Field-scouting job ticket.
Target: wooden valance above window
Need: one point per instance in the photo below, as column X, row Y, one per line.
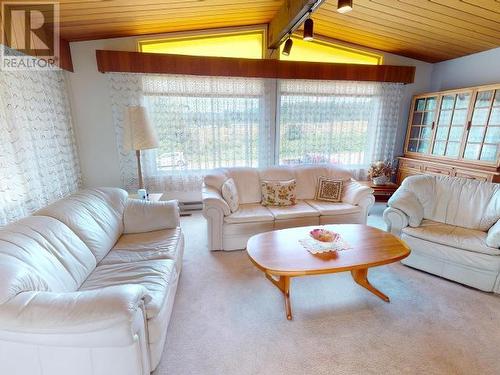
column 153, row 63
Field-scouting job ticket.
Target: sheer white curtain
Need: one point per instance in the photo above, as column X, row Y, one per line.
column 202, row 123
column 344, row 122
column 38, row 158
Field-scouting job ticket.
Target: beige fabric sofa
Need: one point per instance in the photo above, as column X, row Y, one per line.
column 87, row 285
column 231, row 231
column 452, row 227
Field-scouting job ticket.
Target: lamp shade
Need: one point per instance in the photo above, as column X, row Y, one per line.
column 139, row 134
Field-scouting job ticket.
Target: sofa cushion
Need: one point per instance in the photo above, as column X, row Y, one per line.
column 278, row 193
column 457, row 201
column 301, row 209
column 330, row 208
column 155, row 275
column 95, row 215
column 247, row 182
column 450, row 235
column 307, row 177
column 248, row 213
column 40, row 253
column 282, row 173
column 230, row 194
column 137, row 247
column 329, row 189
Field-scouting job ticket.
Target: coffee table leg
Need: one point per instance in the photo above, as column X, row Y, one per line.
column 283, row 284
column 360, row 276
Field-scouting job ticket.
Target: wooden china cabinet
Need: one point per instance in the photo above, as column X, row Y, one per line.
column 454, row 133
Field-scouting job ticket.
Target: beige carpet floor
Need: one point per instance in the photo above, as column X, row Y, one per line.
column 228, row 319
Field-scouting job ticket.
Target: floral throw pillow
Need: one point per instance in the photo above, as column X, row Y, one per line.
column 329, row 189
column 230, row 195
column 278, row 193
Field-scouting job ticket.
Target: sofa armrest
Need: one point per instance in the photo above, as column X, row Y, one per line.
column 407, row 202
column 396, row 220
column 212, row 198
column 80, row 312
column 493, row 237
column 354, row 192
column 144, row 216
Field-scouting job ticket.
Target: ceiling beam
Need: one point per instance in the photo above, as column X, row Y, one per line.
column 287, row 19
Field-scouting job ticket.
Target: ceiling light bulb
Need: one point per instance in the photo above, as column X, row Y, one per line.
column 344, row 6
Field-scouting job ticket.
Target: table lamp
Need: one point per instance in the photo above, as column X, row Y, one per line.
column 139, row 135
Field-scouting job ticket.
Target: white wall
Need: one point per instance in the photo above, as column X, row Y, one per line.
column 478, row 69
column 92, row 115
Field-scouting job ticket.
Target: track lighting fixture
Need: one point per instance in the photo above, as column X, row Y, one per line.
column 288, row 46
column 344, row 6
column 309, row 29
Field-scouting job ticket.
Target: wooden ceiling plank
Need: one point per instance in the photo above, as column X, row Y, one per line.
column 417, row 31
column 444, row 23
column 451, row 12
column 162, row 17
column 383, row 43
column 137, row 11
column 471, row 9
column 491, row 5
column 389, row 32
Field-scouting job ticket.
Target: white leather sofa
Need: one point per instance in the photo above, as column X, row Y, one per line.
column 87, row 285
column 452, row 227
column 231, row 231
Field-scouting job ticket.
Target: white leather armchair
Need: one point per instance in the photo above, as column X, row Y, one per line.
column 231, row 231
column 451, row 225
column 87, row 285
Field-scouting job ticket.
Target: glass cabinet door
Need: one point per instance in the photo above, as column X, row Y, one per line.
column 421, row 124
column 484, row 128
column 451, row 123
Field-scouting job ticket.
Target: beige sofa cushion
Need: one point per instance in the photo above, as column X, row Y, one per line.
column 301, row 209
column 138, row 247
column 450, row 235
column 154, row 275
column 307, row 178
column 249, row 213
column 94, row 215
column 247, row 182
column 330, row 208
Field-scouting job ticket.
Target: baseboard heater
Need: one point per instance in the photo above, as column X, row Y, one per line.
column 187, row 207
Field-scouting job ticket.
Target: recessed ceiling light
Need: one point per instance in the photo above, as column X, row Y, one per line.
column 344, row 6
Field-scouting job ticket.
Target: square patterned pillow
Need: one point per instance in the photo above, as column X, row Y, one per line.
column 278, row 193
column 329, row 189
column 230, row 195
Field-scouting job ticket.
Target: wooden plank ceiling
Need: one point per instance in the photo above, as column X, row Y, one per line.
column 428, row 30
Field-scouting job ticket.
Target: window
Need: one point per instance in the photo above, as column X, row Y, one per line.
column 321, row 51
column 211, row 122
column 207, row 122
column 326, row 122
column 245, row 44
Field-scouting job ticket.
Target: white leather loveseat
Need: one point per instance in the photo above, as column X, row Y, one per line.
column 231, row 231
column 452, row 227
column 87, row 285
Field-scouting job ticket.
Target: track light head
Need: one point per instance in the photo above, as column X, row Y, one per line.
column 288, row 46
column 308, row 29
column 344, row 6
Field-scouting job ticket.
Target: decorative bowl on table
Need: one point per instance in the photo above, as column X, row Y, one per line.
column 324, row 235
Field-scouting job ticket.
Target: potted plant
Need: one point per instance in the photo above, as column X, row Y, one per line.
column 380, row 172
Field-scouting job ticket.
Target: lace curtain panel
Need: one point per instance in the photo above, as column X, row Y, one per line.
column 38, row 158
column 210, row 122
column 202, row 123
column 349, row 123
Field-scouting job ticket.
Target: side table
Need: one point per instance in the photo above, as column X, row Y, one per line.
column 382, row 193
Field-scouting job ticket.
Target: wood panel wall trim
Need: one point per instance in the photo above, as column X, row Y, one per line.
column 140, row 62
column 65, row 61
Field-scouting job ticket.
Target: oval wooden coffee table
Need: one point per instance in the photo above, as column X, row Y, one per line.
column 280, row 255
